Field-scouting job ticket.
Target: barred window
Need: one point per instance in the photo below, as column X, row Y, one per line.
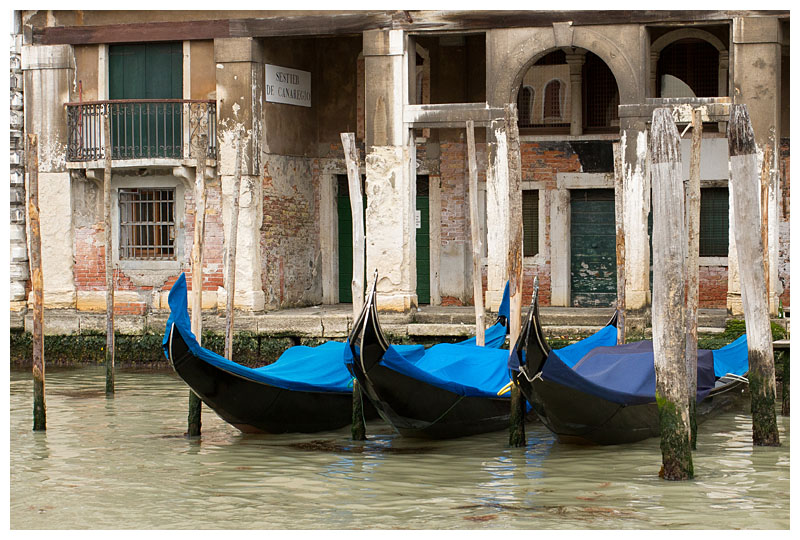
column 525, row 106
column 530, row 222
column 147, row 224
column 552, row 100
column 714, row 222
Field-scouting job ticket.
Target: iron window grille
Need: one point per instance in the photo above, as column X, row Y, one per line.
column 147, row 224
column 714, row 222
column 530, row 222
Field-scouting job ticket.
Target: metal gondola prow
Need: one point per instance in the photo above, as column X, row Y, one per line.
column 366, row 340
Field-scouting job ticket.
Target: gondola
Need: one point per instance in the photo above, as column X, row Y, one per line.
column 598, row 392
column 308, row 389
column 446, row 391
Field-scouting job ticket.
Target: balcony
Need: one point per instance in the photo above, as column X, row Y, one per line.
column 141, row 129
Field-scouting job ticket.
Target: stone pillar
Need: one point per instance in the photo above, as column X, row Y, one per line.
column 576, row 61
column 497, row 225
column 240, row 97
column 560, row 261
column 391, row 171
column 49, row 70
column 636, row 183
column 724, row 64
column 654, row 56
column 757, row 81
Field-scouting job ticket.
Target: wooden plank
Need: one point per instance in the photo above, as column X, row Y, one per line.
column 37, row 281
column 358, row 429
column 766, row 166
column 693, row 267
column 517, row 431
column 669, row 326
column 230, row 278
column 619, row 229
column 199, row 151
column 109, row 352
column 135, row 32
column 475, row 233
column 745, row 189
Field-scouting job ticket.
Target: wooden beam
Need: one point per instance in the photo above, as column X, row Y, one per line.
column 693, row 267
column 109, row 352
column 35, row 236
column 517, row 431
column 230, row 278
column 132, row 32
column 669, row 326
column 475, row 233
column 745, row 189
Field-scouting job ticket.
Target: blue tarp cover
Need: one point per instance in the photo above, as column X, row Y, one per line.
column 467, row 370
column 625, row 374
column 313, row 369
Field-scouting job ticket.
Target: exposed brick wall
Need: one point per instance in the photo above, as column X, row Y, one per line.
column 290, row 233
column 455, row 224
column 713, row 287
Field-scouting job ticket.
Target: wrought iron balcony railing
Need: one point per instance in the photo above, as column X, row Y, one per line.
column 140, row 128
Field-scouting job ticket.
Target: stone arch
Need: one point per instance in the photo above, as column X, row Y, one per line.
column 689, row 33
column 532, row 44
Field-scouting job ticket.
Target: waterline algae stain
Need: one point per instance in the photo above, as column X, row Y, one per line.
column 124, row 464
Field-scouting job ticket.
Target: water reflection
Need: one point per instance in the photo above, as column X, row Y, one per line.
column 125, row 463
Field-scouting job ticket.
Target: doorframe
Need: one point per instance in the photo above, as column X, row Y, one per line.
column 560, row 224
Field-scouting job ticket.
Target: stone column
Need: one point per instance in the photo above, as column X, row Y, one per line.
column 636, row 185
column 48, row 69
column 240, row 97
column 654, row 56
column 391, row 171
column 757, row 81
column 576, row 61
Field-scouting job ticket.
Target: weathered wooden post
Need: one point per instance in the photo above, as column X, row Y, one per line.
column 693, row 265
column 619, row 217
column 517, row 429
column 475, row 231
column 766, row 166
column 109, row 356
column 37, row 284
column 230, row 278
column 358, row 428
column 669, row 326
column 200, row 150
column 744, row 186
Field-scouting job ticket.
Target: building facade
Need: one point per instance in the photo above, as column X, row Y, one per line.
column 585, row 84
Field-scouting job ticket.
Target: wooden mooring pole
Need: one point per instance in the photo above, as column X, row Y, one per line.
column 669, row 326
column 619, row 218
column 230, row 278
column 744, row 184
column 475, row 232
column 693, row 266
column 35, row 236
column 358, row 429
column 517, row 429
column 766, row 166
column 195, row 405
column 108, row 236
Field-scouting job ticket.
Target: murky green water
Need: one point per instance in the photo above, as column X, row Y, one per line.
column 123, row 463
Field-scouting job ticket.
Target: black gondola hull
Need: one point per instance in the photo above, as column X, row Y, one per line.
column 420, row 410
column 577, row 417
column 255, row 407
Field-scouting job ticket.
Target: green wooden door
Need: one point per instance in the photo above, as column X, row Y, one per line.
column 345, row 238
column 593, row 248
column 422, row 221
column 146, row 71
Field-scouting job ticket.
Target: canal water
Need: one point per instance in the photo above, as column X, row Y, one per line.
column 123, row 463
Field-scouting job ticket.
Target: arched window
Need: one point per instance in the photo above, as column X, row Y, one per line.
column 688, row 68
column 552, row 100
column 525, row 105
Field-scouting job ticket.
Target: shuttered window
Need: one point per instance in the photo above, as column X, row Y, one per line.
column 714, row 222
column 530, row 222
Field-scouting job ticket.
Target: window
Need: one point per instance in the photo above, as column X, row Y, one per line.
column 147, row 224
column 688, row 66
column 530, row 222
column 525, row 106
column 552, row 100
column 714, row 222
